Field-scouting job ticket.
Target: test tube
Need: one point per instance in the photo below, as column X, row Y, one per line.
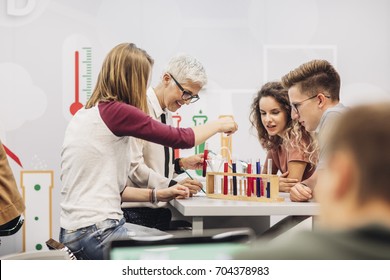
column 225, row 179
column 269, row 166
column 205, row 155
column 258, row 180
column 234, row 169
column 249, row 179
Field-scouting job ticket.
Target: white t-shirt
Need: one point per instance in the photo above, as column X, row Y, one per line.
column 96, row 159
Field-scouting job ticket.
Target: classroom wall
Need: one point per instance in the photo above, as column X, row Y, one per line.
column 242, row 44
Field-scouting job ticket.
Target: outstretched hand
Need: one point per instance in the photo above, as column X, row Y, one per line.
column 193, row 162
column 227, row 125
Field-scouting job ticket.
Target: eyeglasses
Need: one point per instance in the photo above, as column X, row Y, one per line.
column 187, row 95
column 296, row 105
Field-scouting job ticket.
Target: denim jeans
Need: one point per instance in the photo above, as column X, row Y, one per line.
column 91, row 243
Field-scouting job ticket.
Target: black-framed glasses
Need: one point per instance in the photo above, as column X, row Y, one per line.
column 296, row 105
column 187, row 95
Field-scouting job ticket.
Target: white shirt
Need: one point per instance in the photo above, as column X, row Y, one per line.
column 90, row 194
column 95, row 159
column 147, row 166
column 324, row 128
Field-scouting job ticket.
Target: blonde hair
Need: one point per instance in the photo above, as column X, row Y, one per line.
column 297, row 137
column 123, row 77
column 314, row 76
column 294, row 137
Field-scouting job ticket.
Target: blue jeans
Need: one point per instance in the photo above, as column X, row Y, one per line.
column 91, row 243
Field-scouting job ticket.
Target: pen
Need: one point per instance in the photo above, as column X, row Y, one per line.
column 189, row 175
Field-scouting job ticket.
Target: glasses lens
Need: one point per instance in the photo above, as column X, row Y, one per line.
column 194, row 99
column 295, row 108
column 186, row 95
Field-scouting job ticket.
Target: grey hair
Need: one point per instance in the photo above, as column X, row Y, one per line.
column 186, row 68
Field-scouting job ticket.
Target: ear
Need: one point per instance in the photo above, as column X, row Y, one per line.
column 342, row 166
column 166, row 78
column 322, row 100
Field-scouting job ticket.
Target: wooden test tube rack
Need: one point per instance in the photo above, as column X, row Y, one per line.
column 274, row 187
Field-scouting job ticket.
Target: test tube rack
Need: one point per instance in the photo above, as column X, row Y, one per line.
column 212, row 178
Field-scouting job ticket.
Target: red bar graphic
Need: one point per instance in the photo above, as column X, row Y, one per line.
column 13, row 156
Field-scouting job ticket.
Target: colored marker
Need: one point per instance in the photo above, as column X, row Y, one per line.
column 234, row 167
column 205, row 155
column 225, row 181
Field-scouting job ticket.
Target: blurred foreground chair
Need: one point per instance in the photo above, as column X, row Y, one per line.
column 283, row 226
column 38, row 255
column 57, row 251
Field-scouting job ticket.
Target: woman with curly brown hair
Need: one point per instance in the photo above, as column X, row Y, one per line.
column 292, row 149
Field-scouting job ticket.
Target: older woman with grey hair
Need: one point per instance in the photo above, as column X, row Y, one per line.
column 153, row 165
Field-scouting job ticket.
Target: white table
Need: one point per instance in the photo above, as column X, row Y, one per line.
column 199, row 207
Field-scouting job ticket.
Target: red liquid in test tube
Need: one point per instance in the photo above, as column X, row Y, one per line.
column 205, row 155
column 225, row 180
column 249, row 185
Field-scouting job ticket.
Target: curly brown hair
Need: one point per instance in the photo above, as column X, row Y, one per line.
column 295, row 136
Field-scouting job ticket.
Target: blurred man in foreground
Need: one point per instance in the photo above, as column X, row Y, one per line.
column 354, row 195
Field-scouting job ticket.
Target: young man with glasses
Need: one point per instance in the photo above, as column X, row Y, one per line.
column 354, row 196
column 314, row 93
column 153, row 165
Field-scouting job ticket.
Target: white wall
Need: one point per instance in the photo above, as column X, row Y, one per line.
column 242, row 43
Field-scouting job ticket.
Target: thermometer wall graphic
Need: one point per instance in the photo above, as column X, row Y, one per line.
column 199, row 120
column 77, row 73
